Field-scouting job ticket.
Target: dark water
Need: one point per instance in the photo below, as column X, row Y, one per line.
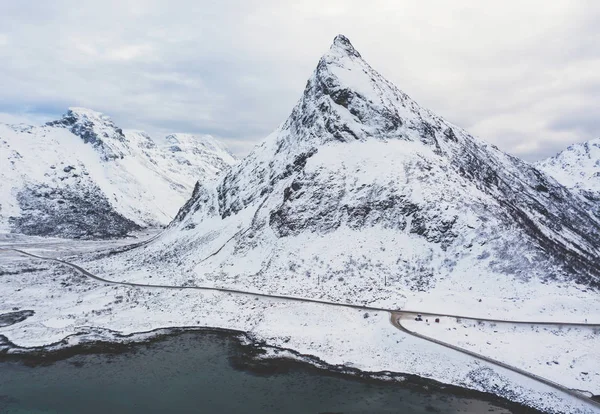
column 212, row 373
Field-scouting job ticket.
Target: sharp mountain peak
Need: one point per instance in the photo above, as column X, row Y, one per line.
column 342, row 43
column 321, row 172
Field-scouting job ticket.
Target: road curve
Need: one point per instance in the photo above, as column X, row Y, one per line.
column 395, row 316
column 395, row 319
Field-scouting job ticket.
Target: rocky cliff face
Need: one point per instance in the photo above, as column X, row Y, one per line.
column 363, row 195
column 82, row 176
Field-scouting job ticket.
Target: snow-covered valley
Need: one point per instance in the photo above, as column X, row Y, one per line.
column 70, row 309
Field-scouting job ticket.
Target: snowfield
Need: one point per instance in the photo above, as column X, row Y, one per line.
column 566, row 355
column 71, row 309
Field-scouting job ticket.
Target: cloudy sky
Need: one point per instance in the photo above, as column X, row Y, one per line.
column 524, row 75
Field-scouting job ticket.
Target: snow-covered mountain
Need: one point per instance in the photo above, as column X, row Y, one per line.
column 362, row 195
column 578, row 168
column 82, row 176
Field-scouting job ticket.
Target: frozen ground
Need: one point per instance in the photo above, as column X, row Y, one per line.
column 57, row 247
column 563, row 354
column 65, row 304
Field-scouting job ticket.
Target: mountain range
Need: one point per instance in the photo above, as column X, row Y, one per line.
column 83, row 177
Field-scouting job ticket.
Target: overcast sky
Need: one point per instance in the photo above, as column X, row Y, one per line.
column 524, row 75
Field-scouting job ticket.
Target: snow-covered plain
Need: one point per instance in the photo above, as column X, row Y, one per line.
column 68, row 305
column 567, row 355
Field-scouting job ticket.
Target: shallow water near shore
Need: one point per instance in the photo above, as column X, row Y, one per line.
column 208, row 372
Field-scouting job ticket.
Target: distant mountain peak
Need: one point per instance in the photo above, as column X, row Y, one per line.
column 78, row 115
column 94, row 128
column 578, row 168
column 87, row 113
column 199, row 142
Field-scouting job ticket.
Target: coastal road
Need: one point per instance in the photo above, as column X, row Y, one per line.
column 395, row 315
column 396, row 321
column 298, row 299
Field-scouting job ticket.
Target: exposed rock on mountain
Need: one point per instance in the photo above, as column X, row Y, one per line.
column 82, row 176
column 96, row 129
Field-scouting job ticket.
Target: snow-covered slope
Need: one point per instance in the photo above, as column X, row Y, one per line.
column 578, row 168
column 362, row 195
column 82, row 176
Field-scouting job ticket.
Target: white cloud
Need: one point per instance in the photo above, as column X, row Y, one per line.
column 23, row 118
column 511, row 72
column 129, row 52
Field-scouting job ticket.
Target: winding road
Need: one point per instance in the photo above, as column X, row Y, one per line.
column 296, row 298
column 395, row 318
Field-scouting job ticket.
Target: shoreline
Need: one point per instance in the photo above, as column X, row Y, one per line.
column 252, row 355
column 426, row 363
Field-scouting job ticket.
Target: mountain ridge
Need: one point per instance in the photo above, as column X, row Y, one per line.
column 83, row 176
